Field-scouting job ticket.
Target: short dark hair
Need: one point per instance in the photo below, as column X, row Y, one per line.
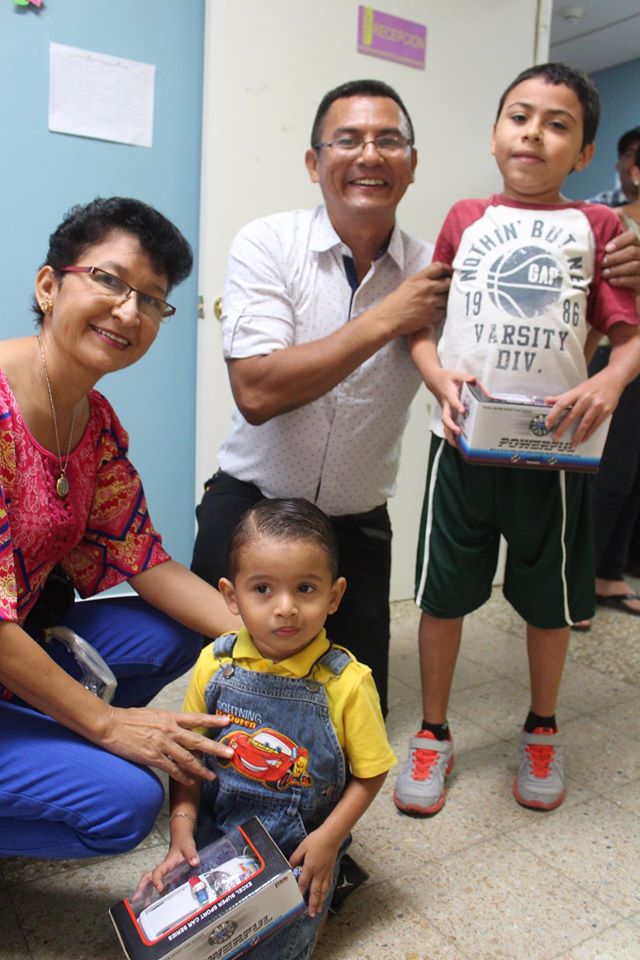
column 356, row 88
column 628, row 139
column 285, row 520
column 560, row 74
column 86, row 225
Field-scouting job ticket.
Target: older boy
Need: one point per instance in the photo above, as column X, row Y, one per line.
column 525, row 291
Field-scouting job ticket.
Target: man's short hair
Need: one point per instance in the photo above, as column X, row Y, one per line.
column 560, row 74
column 357, row 88
column 286, row 521
column 628, row 139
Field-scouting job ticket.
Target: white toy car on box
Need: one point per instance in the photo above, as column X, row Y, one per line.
column 187, row 900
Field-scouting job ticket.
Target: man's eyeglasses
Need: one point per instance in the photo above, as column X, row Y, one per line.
column 386, row 144
column 152, row 308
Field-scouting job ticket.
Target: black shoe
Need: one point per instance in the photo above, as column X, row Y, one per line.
column 351, row 876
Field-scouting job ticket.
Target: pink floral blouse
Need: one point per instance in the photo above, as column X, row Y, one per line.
column 100, row 533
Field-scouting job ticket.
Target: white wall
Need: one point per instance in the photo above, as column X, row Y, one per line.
column 267, row 65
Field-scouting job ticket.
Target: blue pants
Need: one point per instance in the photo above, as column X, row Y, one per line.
column 62, row 797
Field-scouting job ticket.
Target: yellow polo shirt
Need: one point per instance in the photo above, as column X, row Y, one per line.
column 354, row 706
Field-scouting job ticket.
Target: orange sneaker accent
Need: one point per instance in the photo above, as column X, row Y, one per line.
column 423, row 760
column 541, row 755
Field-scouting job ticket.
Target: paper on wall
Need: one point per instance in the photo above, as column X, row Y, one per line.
column 94, row 95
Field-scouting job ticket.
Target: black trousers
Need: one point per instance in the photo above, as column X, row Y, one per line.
column 364, row 541
column 616, row 486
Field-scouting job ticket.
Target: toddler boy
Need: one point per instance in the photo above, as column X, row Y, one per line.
column 311, row 750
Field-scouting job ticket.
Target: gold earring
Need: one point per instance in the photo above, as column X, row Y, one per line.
column 46, row 306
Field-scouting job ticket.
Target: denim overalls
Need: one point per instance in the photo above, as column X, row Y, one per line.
column 288, row 768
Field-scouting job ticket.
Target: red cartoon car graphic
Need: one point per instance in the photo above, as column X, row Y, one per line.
column 268, row 756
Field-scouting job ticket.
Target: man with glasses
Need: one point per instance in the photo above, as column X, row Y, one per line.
column 316, row 306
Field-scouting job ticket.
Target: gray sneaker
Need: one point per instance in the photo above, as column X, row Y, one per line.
column 539, row 783
column 420, row 784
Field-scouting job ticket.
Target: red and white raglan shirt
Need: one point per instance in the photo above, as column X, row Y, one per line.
column 526, row 286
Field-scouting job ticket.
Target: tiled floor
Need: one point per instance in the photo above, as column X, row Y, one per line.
column 484, row 879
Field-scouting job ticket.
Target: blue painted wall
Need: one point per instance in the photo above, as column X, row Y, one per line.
column 619, row 89
column 42, row 174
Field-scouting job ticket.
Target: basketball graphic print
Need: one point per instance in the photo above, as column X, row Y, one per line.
column 524, row 283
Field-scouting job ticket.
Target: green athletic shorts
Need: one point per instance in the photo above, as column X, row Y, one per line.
column 545, row 517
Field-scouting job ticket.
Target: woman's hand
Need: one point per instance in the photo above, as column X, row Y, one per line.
column 164, row 740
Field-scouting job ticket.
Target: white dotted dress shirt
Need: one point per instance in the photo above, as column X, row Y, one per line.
column 286, row 284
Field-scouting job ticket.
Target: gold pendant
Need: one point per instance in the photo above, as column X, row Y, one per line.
column 62, row 486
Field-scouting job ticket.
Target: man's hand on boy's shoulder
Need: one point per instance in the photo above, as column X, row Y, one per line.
column 621, row 263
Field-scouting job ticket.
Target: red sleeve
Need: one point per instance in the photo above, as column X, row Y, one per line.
column 119, row 540
column 607, row 305
column 456, row 222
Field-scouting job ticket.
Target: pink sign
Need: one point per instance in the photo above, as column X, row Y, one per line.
column 381, row 35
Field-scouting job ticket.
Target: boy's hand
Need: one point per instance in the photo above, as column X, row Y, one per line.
column 317, row 855
column 588, row 404
column 621, row 261
column 182, row 851
column 446, row 386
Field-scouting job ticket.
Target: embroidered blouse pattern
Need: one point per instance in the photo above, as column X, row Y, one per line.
column 100, row 533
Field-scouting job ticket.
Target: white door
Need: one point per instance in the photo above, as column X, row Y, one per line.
column 267, row 65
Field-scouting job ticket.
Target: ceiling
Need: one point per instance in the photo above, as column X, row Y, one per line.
column 606, row 33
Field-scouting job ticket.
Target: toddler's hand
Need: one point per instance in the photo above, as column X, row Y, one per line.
column 317, row 859
column 183, row 852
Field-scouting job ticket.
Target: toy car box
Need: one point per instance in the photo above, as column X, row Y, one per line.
column 510, row 430
column 241, row 892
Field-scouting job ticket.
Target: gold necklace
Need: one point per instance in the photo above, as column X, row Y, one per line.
column 62, row 484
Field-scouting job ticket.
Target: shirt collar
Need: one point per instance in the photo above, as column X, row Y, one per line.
column 324, row 237
column 396, row 246
column 298, row 666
